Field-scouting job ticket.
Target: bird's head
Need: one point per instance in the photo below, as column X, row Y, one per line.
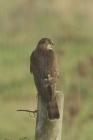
column 45, row 42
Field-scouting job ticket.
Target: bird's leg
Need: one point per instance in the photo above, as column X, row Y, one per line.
column 49, row 81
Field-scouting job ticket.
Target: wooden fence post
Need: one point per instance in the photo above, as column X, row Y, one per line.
column 49, row 129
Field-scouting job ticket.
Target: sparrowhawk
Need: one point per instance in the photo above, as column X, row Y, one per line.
column 43, row 66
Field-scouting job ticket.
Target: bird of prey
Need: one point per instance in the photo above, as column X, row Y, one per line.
column 43, row 66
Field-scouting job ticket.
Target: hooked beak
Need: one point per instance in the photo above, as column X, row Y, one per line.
column 52, row 43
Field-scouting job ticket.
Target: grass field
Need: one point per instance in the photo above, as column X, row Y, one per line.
column 22, row 25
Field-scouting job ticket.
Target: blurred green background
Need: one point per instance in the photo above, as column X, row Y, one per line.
column 69, row 23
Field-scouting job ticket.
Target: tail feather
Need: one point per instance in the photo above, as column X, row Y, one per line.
column 53, row 112
column 51, row 102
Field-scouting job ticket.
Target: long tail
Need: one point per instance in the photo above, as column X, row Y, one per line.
column 53, row 112
column 52, row 107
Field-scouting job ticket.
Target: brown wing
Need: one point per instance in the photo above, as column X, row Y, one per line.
column 42, row 64
column 37, row 66
column 52, row 64
column 32, row 62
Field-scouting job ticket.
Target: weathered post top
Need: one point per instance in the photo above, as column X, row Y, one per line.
column 47, row 129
